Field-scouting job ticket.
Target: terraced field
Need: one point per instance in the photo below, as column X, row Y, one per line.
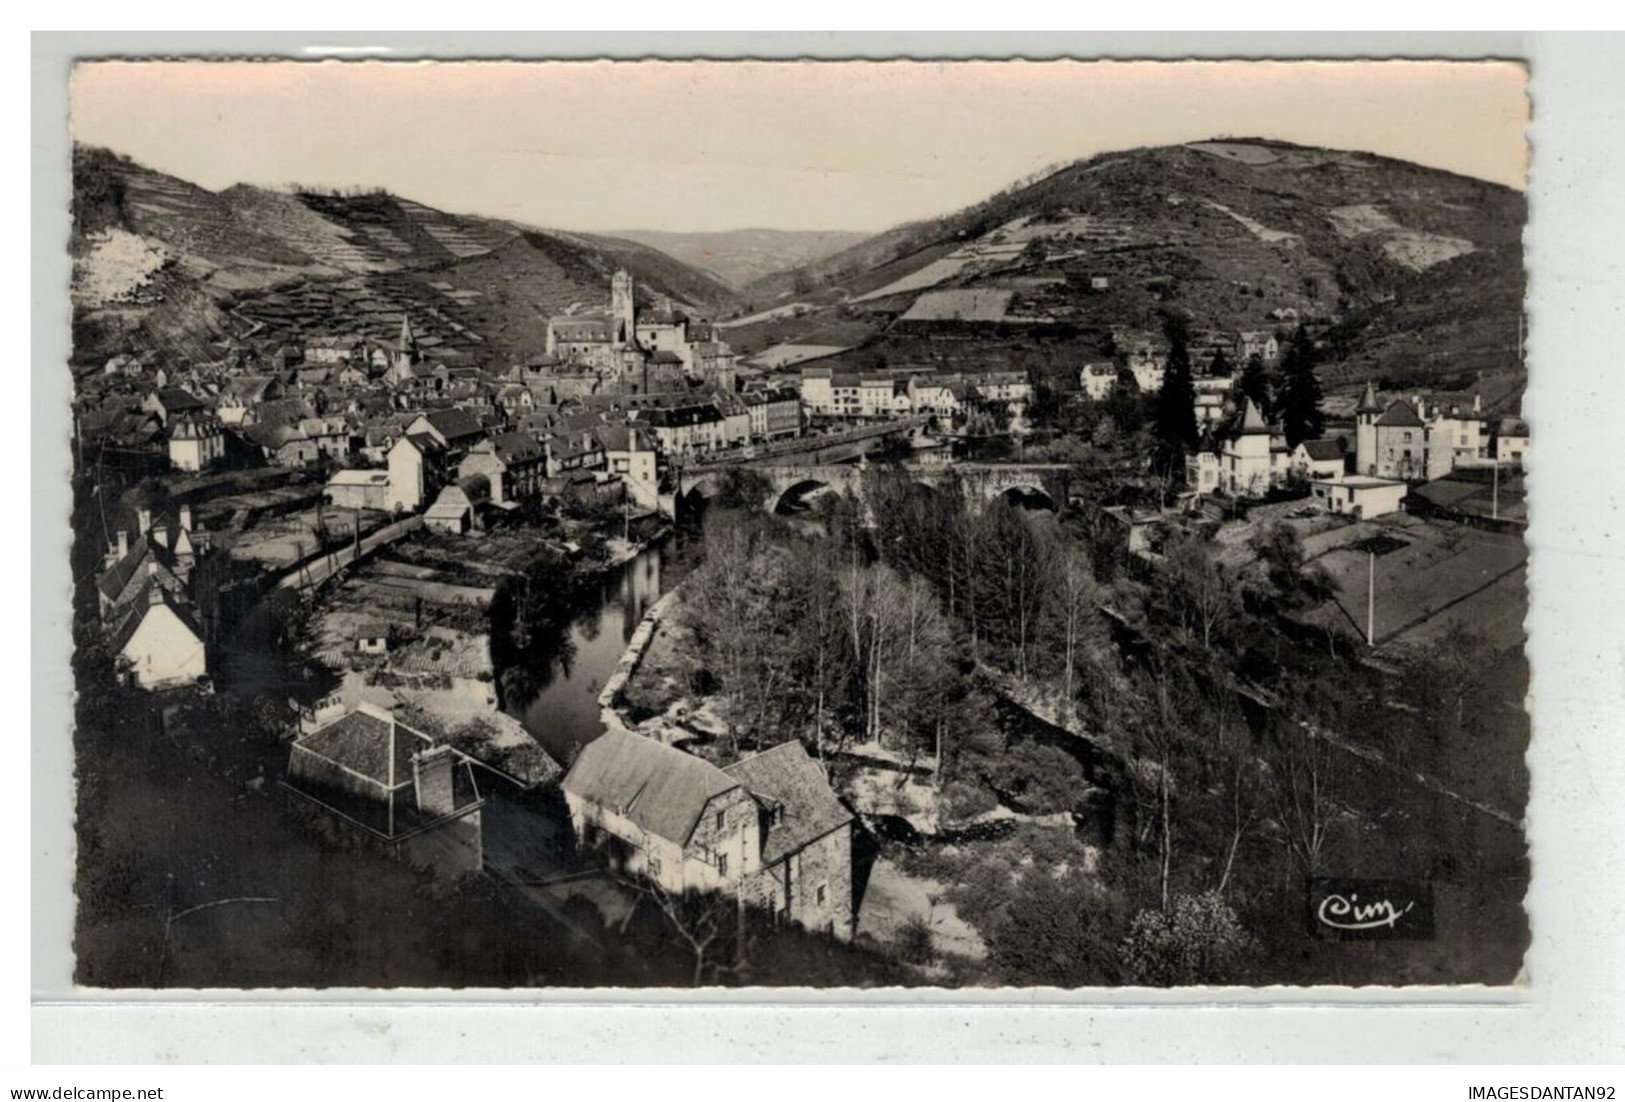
column 194, row 266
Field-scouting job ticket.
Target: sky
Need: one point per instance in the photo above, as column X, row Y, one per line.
column 697, row 146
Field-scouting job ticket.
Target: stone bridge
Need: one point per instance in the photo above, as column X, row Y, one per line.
column 1033, row 483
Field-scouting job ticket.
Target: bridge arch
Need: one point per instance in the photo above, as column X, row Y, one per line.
column 797, row 493
column 1029, row 495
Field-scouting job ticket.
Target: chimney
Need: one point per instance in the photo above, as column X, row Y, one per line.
column 155, row 591
column 432, row 780
column 1478, row 403
column 143, row 521
column 186, row 518
column 1421, row 408
column 123, row 543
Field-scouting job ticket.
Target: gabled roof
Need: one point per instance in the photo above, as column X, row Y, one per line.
column 622, row 438
column 580, row 329
column 658, row 787
column 117, row 578
column 140, row 606
column 1322, row 449
column 516, row 447
column 175, row 399
column 1400, row 414
column 454, row 424
column 808, row 808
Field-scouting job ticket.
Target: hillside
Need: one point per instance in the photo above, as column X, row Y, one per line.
column 1414, row 275
column 741, row 257
column 160, row 263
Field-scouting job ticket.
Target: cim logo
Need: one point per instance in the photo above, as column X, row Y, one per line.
column 1365, row 910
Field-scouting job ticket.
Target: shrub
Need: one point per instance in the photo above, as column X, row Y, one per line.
column 1038, row 779
column 1199, row 940
column 914, row 944
column 963, row 800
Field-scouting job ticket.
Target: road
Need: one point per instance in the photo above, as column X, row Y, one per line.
column 318, row 568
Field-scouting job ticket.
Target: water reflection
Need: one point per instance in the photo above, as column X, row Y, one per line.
column 563, row 713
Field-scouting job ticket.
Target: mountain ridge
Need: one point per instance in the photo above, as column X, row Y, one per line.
column 285, row 264
column 1410, row 274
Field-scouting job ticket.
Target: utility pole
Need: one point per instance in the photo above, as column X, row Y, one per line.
column 1495, row 491
column 1371, row 600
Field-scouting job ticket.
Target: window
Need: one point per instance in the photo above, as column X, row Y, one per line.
column 722, row 864
column 722, row 820
column 823, row 893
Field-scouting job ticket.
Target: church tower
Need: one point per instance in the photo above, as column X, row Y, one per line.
column 622, row 323
column 1365, row 432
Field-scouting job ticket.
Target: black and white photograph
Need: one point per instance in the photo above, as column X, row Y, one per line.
column 975, row 525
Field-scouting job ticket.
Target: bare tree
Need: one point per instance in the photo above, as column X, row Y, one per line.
column 1303, row 796
column 707, row 923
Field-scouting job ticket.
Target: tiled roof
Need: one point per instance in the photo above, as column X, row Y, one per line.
column 1323, row 449
column 380, row 750
column 809, row 808
column 660, row 788
column 454, row 424
column 516, row 447
column 1400, row 415
column 174, row 399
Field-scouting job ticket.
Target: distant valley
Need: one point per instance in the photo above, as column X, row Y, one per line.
column 744, row 256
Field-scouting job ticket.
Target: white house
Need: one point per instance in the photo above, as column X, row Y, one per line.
column 408, row 475
column 359, row 489
column 1512, row 443
column 1097, row 380
column 1318, row 459
column 1357, row 495
column 161, row 642
column 658, row 812
column 817, row 392
column 1246, row 467
column 630, row 455
column 196, row 441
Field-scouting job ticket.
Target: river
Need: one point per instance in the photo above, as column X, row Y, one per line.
column 564, row 715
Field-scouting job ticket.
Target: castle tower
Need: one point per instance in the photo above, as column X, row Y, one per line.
column 622, row 323
column 1365, row 431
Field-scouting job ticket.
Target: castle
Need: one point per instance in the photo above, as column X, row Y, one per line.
column 661, row 348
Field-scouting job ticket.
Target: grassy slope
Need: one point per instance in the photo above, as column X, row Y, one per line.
column 1158, row 213
column 321, row 263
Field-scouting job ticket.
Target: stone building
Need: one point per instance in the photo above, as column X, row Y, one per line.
column 768, row 828
column 398, row 785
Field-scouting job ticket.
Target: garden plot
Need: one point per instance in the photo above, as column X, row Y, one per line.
column 1436, row 569
column 282, row 542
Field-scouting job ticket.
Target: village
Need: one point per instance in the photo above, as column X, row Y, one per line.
column 388, row 499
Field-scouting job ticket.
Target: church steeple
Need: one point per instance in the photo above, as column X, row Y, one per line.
column 622, row 319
